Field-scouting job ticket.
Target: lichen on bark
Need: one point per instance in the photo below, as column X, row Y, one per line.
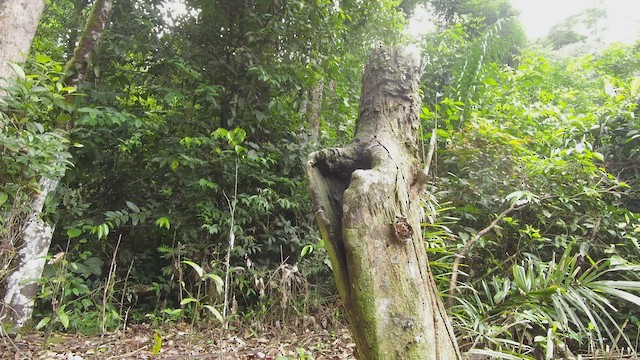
column 18, row 22
column 358, row 191
column 21, row 286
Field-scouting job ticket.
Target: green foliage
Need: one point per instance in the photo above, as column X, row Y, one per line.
column 29, row 112
column 59, row 28
column 157, row 344
column 474, row 35
column 548, row 304
column 164, row 123
column 71, row 296
column 171, row 112
column 533, row 134
column 301, row 354
column 31, row 146
column 483, row 12
column 196, row 301
column 573, row 30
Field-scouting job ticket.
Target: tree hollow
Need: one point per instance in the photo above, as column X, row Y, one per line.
column 367, row 200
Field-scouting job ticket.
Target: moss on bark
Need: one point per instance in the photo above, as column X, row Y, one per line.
column 359, row 192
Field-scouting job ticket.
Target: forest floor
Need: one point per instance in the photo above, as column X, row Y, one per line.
column 182, row 342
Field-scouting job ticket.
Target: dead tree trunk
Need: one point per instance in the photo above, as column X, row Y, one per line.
column 367, row 200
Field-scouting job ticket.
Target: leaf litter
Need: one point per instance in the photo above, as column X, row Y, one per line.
column 182, row 342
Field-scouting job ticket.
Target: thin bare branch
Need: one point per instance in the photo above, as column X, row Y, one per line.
column 453, row 284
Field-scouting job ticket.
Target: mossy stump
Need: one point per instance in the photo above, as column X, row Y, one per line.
column 367, row 200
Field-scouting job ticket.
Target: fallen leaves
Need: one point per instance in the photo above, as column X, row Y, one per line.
column 138, row 342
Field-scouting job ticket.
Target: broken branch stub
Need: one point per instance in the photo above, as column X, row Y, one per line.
column 367, row 201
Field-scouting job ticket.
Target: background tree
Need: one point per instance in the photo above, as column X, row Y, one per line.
column 19, row 22
column 473, row 35
column 20, row 287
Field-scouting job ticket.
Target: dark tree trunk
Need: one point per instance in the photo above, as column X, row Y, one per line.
column 98, row 18
column 367, row 200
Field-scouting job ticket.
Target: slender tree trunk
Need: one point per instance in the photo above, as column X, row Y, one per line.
column 78, row 6
column 315, row 107
column 367, row 200
column 20, row 288
column 98, row 19
column 18, row 23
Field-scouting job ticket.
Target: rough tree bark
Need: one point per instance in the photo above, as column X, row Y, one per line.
column 20, row 288
column 367, row 200
column 18, row 23
column 98, row 18
column 315, row 107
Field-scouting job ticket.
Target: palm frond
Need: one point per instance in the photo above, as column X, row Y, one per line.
column 555, row 300
column 496, row 46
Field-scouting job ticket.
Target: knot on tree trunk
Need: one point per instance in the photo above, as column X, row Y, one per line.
column 367, row 197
